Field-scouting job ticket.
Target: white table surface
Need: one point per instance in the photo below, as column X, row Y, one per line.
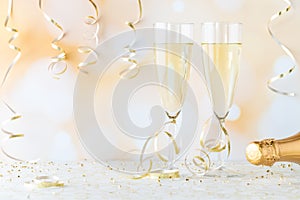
column 90, row 180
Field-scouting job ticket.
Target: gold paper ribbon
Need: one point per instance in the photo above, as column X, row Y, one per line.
column 176, row 148
column 15, row 33
column 87, row 50
column 10, row 134
column 203, row 163
column 227, row 139
column 45, row 182
column 133, row 69
column 15, row 116
column 90, row 20
column 162, row 173
column 159, row 174
column 221, row 145
column 54, row 68
column 285, row 49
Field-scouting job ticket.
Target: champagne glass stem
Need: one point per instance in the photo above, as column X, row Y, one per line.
column 172, row 150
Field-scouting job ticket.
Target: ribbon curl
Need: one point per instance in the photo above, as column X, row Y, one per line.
column 133, row 69
column 199, row 164
column 55, row 69
column 87, row 50
column 10, row 134
column 45, row 182
column 202, row 162
column 221, row 145
column 92, row 21
column 15, row 33
column 15, row 116
column 285, row 49
column 161, row 173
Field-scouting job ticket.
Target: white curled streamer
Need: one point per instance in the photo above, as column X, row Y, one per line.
column 45, row 182
column 285, row 49
column 92, row 21
column 54, row 67
column 10, row 134
column 133, row 69
column 10, row 44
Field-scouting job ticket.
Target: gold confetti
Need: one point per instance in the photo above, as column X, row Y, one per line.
column 285, row 49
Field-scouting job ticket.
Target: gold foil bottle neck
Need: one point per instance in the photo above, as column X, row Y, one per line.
column 262, row 153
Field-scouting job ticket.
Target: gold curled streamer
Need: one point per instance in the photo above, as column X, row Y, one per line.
column 45, row 182
column 202, row 166
column 155, row 138
column 199, row 161
column 15, row 33
column 53, row 68
column 221, row 145
column 15, row 116
column 176, row 148
column 227, row 139
column 145, row 174
column 133, row 69
column 162, row 173
column 91, row 20
column 87, row 50
column 10, row 134
column 285, row 49
column 159, row 174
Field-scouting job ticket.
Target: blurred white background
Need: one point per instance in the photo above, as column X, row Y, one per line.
column 46, row 103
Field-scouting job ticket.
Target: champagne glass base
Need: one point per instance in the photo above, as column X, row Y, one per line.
column 216, row 143
column 165, row 174
column 224, row 172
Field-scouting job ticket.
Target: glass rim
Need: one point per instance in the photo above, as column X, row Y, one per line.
column 221, row 23
column 175, row 23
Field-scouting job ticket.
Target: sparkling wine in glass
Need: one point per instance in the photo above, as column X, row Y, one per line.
column 173, row 49
column 221, row 43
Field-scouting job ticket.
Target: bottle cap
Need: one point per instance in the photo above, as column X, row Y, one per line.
column 253, row 153
column 262, row 152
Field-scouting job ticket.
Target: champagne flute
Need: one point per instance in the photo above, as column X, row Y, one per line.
column 221, row 43
column 173, row 49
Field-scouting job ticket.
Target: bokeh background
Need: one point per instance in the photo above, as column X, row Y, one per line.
column 47, row 104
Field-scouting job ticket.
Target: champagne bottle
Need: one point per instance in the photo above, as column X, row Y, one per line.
column 269, row 151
